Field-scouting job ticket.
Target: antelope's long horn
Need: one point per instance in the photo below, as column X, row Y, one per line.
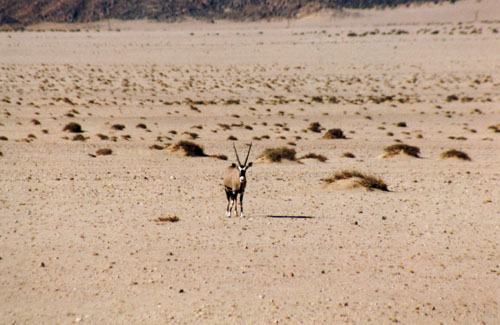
column 248, row 154
column 236, row 152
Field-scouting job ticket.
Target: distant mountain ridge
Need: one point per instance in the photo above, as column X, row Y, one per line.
column 26, row 12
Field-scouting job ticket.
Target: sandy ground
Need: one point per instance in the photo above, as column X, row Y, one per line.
column 79, row 236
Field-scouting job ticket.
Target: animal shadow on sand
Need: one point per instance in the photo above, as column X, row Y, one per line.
column 289, row 217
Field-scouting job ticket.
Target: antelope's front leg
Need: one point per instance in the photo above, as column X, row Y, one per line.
column 236, row 205
column 241, row 205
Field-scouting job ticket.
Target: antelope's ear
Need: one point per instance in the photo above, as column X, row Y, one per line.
column 233, row 165
column 250, row 164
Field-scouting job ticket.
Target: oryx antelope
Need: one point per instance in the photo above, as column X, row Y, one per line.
column 235, row 182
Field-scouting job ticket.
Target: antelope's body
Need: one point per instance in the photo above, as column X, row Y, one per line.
column 235, row 182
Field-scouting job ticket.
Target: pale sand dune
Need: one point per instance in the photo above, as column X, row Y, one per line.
column 80, row 239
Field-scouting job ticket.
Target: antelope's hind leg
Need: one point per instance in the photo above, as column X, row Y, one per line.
column 229, row 203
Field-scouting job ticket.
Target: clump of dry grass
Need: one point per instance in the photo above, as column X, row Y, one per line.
column 73, row 127
column 315, row 127
column 495, row 128
column 190, row 149
column 219, row 156
column 396, row 149
column 367, row 181
column 453, row 153
column 167, row 219
column 278, row 154
column 312, row 155
column 104, row 152
column 334, row 134
column 156, row 147
column 118, row 127
column 348, row 155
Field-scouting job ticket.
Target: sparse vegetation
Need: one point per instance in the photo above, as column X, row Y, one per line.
column 118, row 127
column 315, row 127
column 104, row 152
column 334, row 134
column 396, row 149
column 495, row 128
column 348, row 155
column 190, row 149
column 73, row 127
column 453, row 153
column 219, row 156
column 156, row 147
column 167, row 219
column 278, row 154
column 369, row 182
column 312, row 155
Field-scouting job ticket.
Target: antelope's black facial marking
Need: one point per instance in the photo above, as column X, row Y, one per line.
column 243, row 170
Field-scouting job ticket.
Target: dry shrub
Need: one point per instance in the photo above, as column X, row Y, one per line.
column 348, row 155
column 396, row 149
column 232, row 138
column 219, row 156
column 334, row 134
column 401, row 124
column 190, row 149
column 225, row 126
column 102, row 136
column 495, row 128
column 167, row 219
column 141, row 126
column 73, row 127
column 315, row 127
column 277, row 154
column 368, row 182
column 79, row 137
column 312, row 155
column 35, row 122
column 118, row 127
column 156, row 147
column 192, row 135
column 455, row 154
column 104, row 152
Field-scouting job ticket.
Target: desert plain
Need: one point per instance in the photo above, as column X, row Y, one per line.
column 91, row 238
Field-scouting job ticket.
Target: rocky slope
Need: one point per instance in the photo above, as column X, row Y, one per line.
column 25, row 12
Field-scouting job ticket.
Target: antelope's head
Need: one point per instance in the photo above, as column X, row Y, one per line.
column 242, row 168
